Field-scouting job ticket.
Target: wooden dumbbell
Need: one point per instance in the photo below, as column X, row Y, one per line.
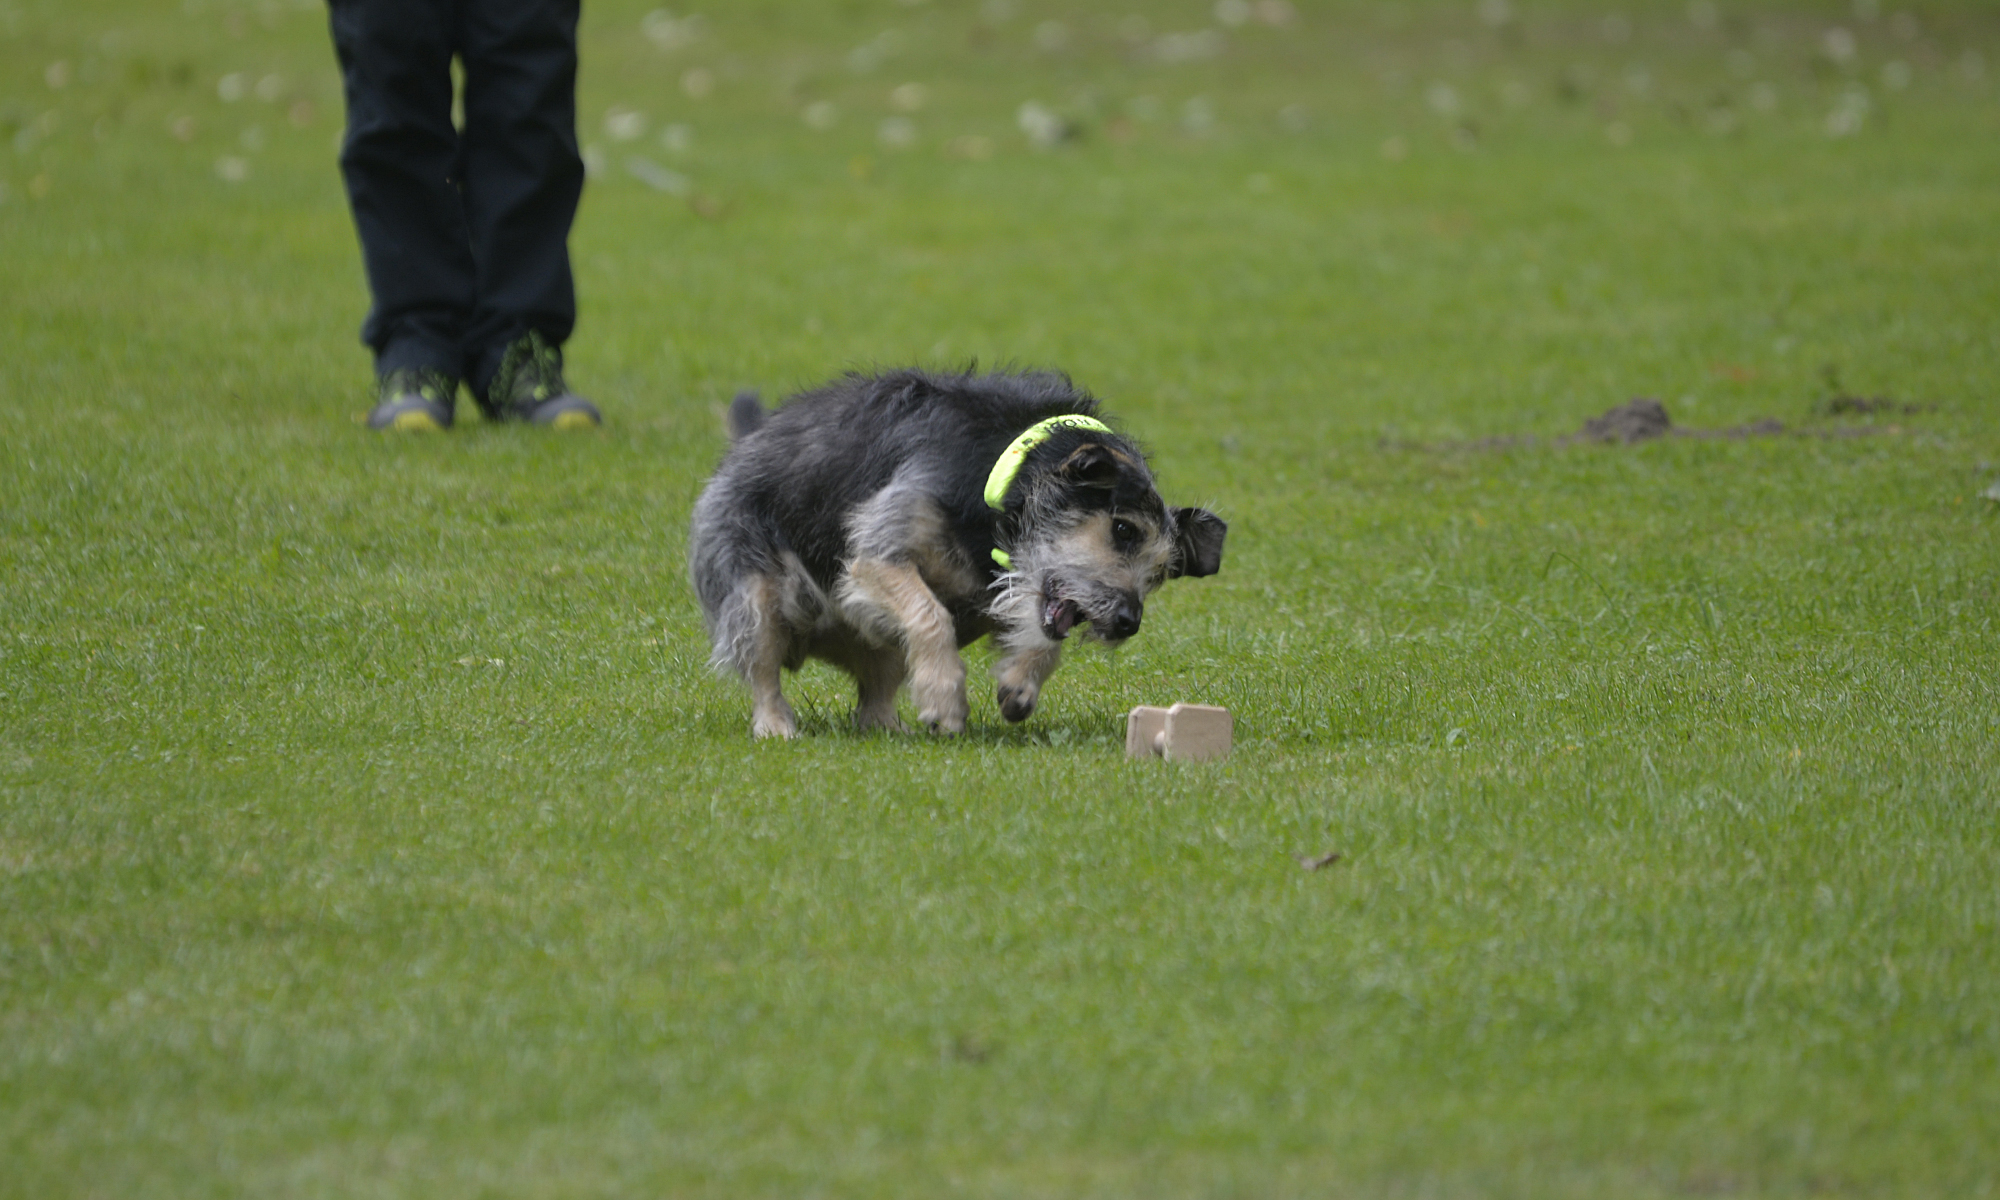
column 1183, row 733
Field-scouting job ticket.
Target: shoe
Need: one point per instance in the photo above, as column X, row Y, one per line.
column 529, row 387
column 414, row 400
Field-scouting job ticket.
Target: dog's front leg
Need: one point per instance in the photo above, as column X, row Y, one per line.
column 1031, row 658
column 894, row 595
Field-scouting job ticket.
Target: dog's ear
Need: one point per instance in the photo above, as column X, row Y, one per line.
column 1197, row 542
column 1091, row 465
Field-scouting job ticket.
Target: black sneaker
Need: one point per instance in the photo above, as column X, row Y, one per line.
column 414, row 400
column 529, row 387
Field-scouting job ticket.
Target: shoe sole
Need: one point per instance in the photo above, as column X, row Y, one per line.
column 414, row 421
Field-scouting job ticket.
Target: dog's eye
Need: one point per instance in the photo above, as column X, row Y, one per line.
column 1124, row 532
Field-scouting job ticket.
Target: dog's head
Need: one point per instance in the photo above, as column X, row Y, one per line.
column 1094, row 539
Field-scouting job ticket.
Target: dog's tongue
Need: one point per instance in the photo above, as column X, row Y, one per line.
column 1058, row 616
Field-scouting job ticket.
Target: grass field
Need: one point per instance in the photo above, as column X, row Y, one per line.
column 370, row 825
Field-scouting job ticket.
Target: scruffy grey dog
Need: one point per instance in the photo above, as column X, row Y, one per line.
column 881, row 522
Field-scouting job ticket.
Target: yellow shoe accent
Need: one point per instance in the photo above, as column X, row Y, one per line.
column 573, row 420
column 415, row 421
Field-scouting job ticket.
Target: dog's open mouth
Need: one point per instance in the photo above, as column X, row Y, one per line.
column 1059, row 615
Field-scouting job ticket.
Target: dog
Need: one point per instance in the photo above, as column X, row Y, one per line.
column 883, row 522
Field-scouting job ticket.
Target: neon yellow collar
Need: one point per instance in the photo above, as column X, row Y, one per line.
column 1009, row 466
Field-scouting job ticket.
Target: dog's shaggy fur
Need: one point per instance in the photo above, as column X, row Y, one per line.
column 849, row 526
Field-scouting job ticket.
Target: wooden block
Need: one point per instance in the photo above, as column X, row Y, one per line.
column 1196, row 732
column 1183, row 733
column 1145, row 728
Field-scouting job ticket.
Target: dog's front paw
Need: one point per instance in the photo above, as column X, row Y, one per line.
column 776, row 722
column 947, row 724
column 939, row 691
column 1017, row 703
column 947, row 717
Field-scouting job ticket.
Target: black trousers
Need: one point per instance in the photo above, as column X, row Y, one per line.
column 465, row 233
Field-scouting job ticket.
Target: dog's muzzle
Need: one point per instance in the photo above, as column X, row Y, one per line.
column 1116, row 622
column 1123, row 621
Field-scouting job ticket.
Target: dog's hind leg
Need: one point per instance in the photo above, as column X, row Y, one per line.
column 878, row 675
column 762, row 660
column 877, row 671
column 893, row 600
column 1020, row 675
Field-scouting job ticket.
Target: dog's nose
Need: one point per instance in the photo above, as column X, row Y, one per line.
column 1124, row 620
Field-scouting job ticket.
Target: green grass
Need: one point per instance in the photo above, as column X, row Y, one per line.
column 370, row 825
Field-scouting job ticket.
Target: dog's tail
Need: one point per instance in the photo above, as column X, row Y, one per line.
column 746, row 415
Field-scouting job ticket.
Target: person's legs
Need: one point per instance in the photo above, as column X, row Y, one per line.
column 523, row 175
column 400, row 163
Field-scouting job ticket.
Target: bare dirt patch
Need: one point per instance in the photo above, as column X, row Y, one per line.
column 1644, row 419
column 1839, row 402
column 1872, row 406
